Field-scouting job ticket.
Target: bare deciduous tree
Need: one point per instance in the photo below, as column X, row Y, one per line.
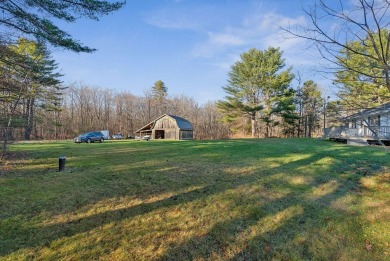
column 334, row 25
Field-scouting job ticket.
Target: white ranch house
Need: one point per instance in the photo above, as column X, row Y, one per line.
column 364, row 124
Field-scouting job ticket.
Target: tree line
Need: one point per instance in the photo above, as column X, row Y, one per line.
column 260, row 101
column 85, row 108
column 358, row 51
column 82, row 108
column 260, row 94
column 35, row 105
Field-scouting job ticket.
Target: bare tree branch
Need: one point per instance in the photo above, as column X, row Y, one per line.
column 366, row 22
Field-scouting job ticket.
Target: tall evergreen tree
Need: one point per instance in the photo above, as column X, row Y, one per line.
column 32, row 82
column 312, row 104
column 159, row 90
column 256, row 83
column 285, row 109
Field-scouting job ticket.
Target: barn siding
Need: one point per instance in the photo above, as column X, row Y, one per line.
column 167, row 127
column 165, row 123
column 170, row 134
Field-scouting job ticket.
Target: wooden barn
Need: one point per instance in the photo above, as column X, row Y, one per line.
column 168, row 127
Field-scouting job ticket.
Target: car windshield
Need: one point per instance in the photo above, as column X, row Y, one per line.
column 85, row 134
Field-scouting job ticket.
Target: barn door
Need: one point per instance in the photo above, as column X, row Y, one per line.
column 159, row 134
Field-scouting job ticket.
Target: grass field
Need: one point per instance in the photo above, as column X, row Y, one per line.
column 265, row 199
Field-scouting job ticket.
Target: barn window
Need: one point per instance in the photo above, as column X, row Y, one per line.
column 186, row 135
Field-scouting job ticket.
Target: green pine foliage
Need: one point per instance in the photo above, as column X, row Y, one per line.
column 257, row 88
column 363, row 79
column 312, row 103
column 36, row 18
column 159, row 90
column 30, row 82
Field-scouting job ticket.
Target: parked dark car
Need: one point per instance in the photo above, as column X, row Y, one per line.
column 90, row 137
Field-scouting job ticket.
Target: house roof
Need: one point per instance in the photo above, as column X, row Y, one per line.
column 182, row 123
column 378, row 110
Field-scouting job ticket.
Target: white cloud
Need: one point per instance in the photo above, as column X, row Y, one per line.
column 284, row 41
column 257, row 30
column 225, row 39
column 218, row 42
column 181, row 17
column 172, row 22
column 254, row 29
column 273, row 21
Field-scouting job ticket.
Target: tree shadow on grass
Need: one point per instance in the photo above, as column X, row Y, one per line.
column 223, row 235
column 82, row 184
column 277, row 222
column 22, row 236
column 42, row 236
column 295, row 219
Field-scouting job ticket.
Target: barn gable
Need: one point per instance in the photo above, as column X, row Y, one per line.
column 168, row 127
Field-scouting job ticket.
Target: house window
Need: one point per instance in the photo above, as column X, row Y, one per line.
column 375, row 121
column 354, row 124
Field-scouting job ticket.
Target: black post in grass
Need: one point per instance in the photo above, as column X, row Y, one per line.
column 61, row 163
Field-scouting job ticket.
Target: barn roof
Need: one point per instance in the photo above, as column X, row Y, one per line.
column 182, row 123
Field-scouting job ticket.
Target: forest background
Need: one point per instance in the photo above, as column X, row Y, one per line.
column 34, row 103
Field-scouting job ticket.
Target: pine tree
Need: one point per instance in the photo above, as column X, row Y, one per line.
column 256, row 84
column 159, row 90
column 30, row 82
column 312, row 104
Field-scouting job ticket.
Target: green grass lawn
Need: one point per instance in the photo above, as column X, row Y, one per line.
column 265, row 199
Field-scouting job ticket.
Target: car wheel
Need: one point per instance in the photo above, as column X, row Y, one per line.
column 101, row 140
column 89, row 141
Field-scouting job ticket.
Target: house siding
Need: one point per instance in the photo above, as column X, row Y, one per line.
column 366, row 123
column 385, row 120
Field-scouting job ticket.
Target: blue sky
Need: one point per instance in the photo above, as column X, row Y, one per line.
column 188, row 44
